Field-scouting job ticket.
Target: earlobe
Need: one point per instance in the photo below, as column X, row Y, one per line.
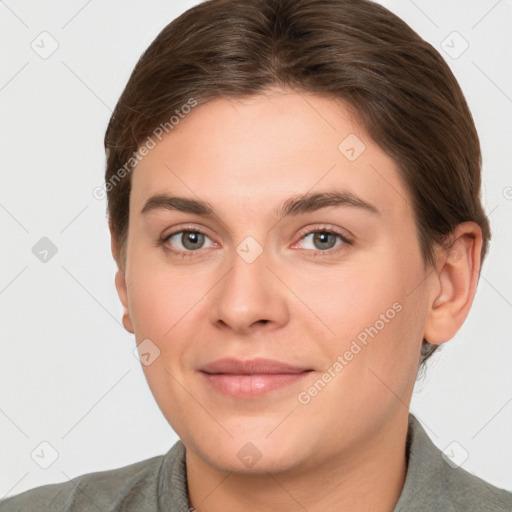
column 120, row 282
column 455, row 281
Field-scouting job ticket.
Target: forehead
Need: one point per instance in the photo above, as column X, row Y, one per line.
column 255, row 152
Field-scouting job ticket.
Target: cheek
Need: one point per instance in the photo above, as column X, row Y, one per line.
column 148, row 305
column 159, row 296
column 372, row 316
column 170, row 308
column 352, row 298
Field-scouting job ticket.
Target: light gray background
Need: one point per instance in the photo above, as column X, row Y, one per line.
column 68, row 373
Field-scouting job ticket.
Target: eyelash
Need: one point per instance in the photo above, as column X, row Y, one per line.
column 316, row 253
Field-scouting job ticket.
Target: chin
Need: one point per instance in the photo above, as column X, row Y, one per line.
column 250, row 452
column 253, row 458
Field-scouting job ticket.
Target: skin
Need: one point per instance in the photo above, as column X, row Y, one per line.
column 345, row 449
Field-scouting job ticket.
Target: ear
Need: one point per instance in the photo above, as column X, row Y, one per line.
column 120, row 282
column 454, row 282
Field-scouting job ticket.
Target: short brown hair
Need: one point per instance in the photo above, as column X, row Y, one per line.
column 398, row 86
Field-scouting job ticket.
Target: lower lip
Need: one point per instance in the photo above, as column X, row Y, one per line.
column 254, row 385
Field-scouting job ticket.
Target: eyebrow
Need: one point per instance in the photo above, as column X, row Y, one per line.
column 294, row 205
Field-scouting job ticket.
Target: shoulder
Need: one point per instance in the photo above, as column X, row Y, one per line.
column 465, row 491
column 434, row 482
column 133, row 487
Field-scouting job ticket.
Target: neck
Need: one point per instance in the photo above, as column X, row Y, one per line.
column 370, row 477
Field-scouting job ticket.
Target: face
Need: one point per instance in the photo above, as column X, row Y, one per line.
column 279, row 334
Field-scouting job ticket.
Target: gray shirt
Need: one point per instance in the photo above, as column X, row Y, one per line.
column 159, row 484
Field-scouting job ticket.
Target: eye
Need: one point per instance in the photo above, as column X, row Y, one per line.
column 324, row 241
column 187, row 242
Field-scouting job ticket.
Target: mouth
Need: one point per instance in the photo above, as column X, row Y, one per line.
column 251, row 378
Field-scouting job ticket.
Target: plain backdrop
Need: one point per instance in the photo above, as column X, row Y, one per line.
column 73, row 395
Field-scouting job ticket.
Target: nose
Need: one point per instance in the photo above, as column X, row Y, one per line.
column 250, row 297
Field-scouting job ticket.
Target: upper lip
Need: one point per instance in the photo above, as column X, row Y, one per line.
column 251, row 366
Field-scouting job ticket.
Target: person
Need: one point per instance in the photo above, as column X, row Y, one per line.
column 294, row 204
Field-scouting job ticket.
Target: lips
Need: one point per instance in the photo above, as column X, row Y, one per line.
column 251, row 378
column 253, row 366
